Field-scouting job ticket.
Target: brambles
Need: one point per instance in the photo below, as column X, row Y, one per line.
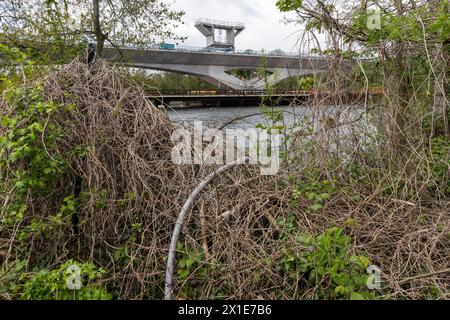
column 73, row 170
column 307, row 233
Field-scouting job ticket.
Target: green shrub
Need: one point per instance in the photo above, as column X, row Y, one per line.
column 28, row 149
column 325, row 263
column 315, row 192
column 53, row 284
column 440, row 166
column 10, row 279
column 192, row 271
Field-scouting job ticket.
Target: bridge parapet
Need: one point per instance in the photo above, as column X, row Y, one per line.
column 242, row 52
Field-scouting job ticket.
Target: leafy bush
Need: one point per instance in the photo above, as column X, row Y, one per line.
column 315, row 192
column 440, row 168
column 191, row 271
column 30, row 137
column 10, row 279
column 306, row 83
column 325, row 263
column 53, row 284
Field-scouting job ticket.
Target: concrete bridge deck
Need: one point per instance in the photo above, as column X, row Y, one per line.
column 214, row 67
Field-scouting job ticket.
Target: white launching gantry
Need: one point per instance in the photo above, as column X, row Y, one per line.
column 219, row 35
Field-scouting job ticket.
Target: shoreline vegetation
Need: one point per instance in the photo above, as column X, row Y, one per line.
column 88, row 188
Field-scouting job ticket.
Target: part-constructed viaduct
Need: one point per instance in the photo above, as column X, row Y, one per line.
column 214, row 67
column 216, row 62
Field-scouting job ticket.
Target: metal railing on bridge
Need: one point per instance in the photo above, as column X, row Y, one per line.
column 219, row 23
column 231, row 93
column 259, row 93
column 249, row 52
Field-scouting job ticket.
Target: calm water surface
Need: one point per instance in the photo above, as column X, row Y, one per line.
column 217, row 117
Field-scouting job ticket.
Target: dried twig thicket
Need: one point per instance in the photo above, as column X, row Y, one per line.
column 379, row 149
column 130, row 194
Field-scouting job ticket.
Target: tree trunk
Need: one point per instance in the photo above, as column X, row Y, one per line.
column 99, row 35
column 440, row 63
column 395, row 104
column 441, row 103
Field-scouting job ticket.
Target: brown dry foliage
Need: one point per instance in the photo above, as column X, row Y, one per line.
column 127, row 177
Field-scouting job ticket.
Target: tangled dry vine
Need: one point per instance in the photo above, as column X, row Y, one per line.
column 235, row 241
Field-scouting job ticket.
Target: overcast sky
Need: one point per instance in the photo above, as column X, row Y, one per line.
column 264, row 28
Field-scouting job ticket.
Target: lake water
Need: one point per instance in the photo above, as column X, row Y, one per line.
column 218, row 117
column 250, row 117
